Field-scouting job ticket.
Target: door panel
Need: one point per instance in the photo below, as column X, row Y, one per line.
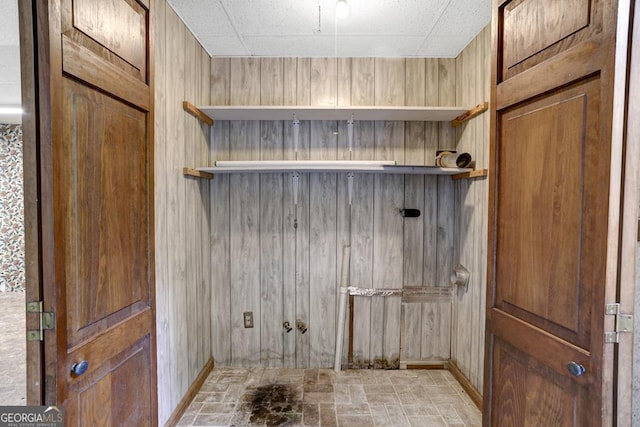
column 526, row 390
column 525, row 37
column 115, row 30
column 532, row 31
column 103, row 158
column 552, row 210
column 549, row 213
column 117, row 394
column 95, row 18
column 96, row 150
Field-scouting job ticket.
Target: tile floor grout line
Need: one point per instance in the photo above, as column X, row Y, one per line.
column 399, row 392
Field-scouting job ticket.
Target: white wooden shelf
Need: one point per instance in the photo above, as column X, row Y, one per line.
column 436, row 114
column 266, row 167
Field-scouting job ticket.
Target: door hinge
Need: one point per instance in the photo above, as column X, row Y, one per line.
column 47, row 321
column 624, row 323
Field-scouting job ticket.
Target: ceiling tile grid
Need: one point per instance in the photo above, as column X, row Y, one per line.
column 391, row 28
column 374, row 28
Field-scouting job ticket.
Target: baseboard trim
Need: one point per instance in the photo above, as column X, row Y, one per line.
column 424, row 364
column 475, row 396
column 189, row 395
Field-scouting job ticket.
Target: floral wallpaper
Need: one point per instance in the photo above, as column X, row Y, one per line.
column 11, row 210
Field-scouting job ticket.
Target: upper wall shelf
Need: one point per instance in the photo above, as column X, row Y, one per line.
column 456, row 115
column 438, row 114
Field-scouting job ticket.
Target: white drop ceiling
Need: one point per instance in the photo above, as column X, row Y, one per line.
column 374, row 28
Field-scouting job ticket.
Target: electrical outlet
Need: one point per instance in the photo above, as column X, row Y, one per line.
column 248, row 319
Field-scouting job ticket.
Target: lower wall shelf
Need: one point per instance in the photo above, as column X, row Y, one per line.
column 386, row 167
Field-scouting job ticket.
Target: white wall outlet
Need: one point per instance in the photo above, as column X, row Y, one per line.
column 248, row 319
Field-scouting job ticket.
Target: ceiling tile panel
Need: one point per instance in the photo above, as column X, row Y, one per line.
column 300, row 27
column 329, row 46
column 205, row 18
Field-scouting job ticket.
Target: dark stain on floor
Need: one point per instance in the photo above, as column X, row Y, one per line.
column 273, row 405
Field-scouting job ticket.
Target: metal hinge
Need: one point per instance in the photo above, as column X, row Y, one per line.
column 624, row 323
column 47, row 321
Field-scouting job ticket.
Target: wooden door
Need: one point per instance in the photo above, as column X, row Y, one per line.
column 549, row 199
column 94, row 103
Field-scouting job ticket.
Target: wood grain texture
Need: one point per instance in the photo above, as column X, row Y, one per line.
column 532, row 26
column 388, row 223
column 467, row 324
column 175, row 205
column 322, row 221
column 195, row 111
column 127, row 40
column 245, row 237
column 430, row 242
column 183, row 247
column 271, row 219
column 220, row 222
column 413, row 250
column 579, row 82
column 204, row 277
column 191, row 227
column 161, row 177
column 361, row 211
column 387, row 250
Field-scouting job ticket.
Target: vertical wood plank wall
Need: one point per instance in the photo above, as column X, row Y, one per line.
column 281, row 260
column 468, row 309
column 182, row 209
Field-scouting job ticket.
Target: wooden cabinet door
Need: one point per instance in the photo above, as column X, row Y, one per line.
column 549, row 200
column 95, row 146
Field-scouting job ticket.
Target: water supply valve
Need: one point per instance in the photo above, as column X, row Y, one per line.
column 301, row 326
column 287, row 326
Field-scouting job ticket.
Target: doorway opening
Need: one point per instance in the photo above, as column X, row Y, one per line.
column 12, row 269
column 13, row 360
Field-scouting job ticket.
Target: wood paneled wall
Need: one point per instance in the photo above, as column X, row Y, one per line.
column 281, row 260
column 182, row 248
column 468, row 308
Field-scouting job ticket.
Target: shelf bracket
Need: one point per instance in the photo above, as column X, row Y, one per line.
column 468, row 175
column 478, row 109
column 350, row 176
column 350, row 132
column 196, row 112
column 296, row 134
column 197, row 173
column 296, row 181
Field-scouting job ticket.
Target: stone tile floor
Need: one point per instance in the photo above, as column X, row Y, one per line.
column 319, row 397
column 13, row 347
